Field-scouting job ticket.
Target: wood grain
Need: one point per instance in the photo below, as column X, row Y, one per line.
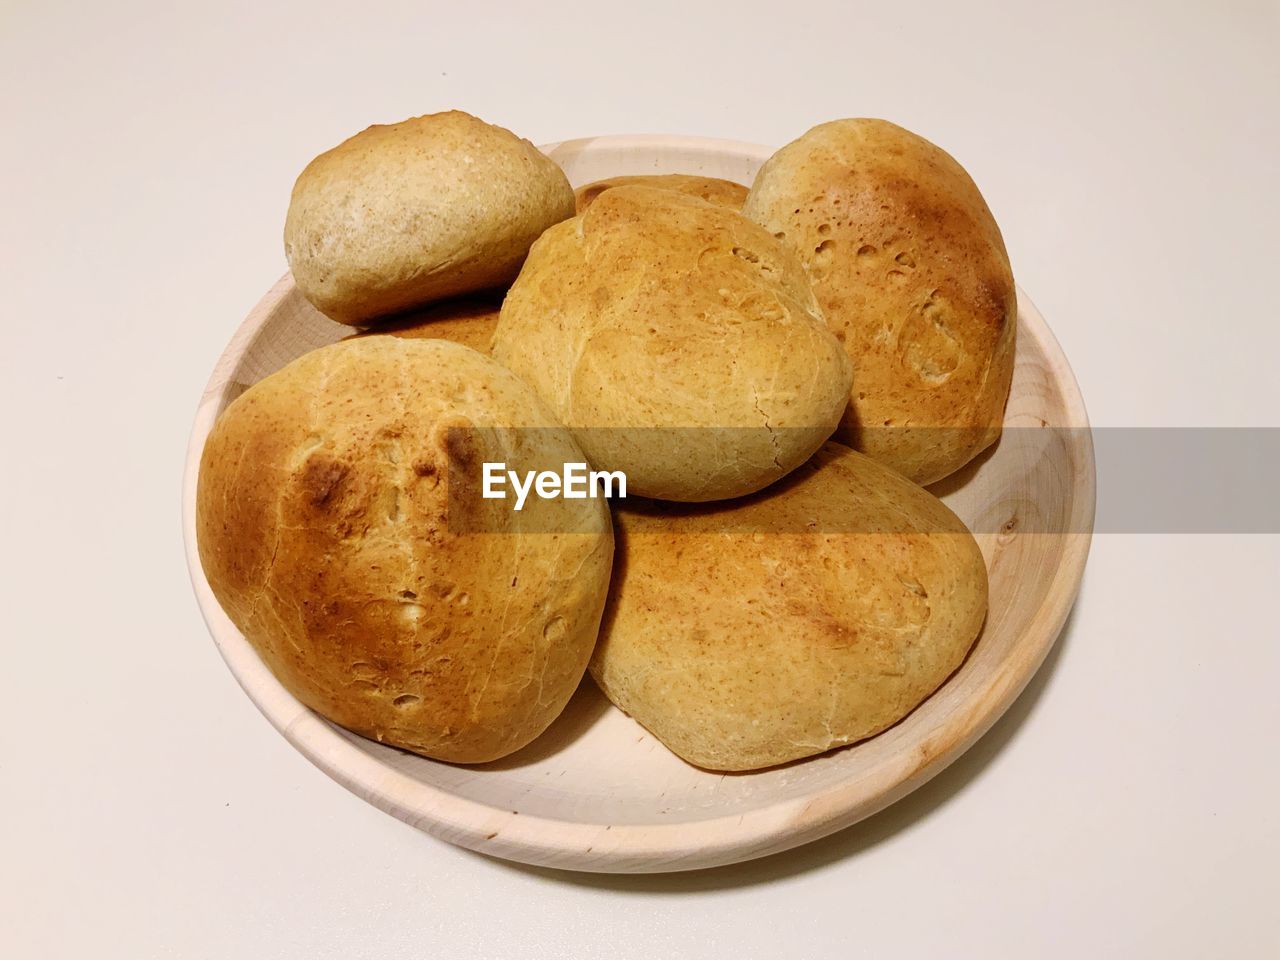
column 598, row 793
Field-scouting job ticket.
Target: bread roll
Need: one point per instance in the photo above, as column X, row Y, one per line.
column 469, row 321
column 340, row 525
column 912, row 274
column 723, row 193
column 811, row 615
column 405, row 214
column 679, row 341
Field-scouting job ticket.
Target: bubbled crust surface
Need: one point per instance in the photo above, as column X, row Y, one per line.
column 912, row 274
column 469, row 321
column 811, row 615
column 407, row 213
column 723, row 193
column 323, row 530
column 679, row 341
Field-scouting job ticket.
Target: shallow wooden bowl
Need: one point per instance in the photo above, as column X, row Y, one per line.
column 596, row 792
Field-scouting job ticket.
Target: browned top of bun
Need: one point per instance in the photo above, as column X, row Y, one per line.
column 341, row 527
column 679, row 340
column 812, row 614
column 911, row 272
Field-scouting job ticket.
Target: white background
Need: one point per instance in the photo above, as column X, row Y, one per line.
column 1127, row 806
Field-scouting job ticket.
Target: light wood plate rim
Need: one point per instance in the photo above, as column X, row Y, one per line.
column 644, row 847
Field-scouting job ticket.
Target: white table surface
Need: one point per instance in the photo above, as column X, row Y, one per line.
column 1127, row 805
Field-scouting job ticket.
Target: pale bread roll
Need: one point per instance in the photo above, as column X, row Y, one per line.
column 408, row 213
column 723, row 193
column 341, row 527
column 679, row 341
column 912, row 275
column 813, row 614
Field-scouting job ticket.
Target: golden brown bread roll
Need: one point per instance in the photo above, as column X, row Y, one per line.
column 469, row 321
column 412, row 212
column 912, row 274
column 679, row 341
column 341, row 527
column 813, row 614
column 723, row 193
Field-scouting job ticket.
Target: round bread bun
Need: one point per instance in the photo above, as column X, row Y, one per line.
column 723, row 193
column 814, row 614
column 912, row 274
column 408, row 213
column 679, row 341
column 469, row 321
column 341, row 526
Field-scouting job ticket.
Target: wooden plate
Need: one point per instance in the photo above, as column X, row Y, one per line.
column 596, row 792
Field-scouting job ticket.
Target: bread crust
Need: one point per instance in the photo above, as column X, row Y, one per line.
column 811, row 615
column 404, row 214
column 912, row 274
column 469, row 321
column 679, row 341
column 723, row 193
column 340, row 525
